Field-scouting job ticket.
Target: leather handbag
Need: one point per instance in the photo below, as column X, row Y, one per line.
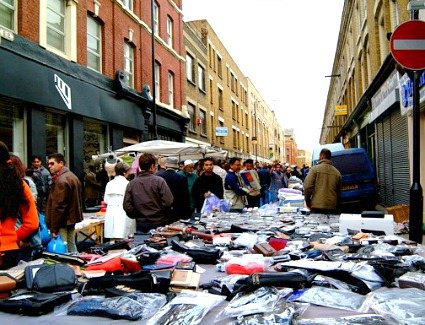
column 264, row 249
column 54, row 278
column 7, row 284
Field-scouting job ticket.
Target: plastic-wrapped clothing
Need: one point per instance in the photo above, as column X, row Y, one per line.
column 134, row 306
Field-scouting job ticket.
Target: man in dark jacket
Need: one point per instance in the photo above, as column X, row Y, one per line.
column 42, row 180
column 147, row 197
column 179, row 188
column 64, row 206
column 207, row 183
column 265, row 180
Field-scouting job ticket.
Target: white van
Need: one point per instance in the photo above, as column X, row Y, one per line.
column 331, row 146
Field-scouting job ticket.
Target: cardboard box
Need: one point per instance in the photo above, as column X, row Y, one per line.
column 400, row 212
column 357, row 223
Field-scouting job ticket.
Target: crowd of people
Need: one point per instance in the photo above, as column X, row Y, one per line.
column 161, row 192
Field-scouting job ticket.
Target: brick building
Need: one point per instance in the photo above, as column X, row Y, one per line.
column 73, row 75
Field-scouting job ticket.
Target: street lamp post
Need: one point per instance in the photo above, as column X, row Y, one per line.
column 254, row 137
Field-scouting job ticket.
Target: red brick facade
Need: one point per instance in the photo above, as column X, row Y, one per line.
column 116, row 23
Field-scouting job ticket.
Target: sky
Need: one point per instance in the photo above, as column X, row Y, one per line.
column 286, row 48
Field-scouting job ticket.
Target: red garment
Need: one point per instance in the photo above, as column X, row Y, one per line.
column 9, row 237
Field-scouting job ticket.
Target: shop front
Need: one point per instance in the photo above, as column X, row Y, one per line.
column 49, row 104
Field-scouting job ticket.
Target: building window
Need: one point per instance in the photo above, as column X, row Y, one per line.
column 211, row 92
column 94, row 44
column 128, row 4
column 7, row 14
column 95, row 138
column 56, row 24
column 169, row 31
column 234, row 110
column 235, row 139
column 190, row 73
column 219, row 67
column 203, row 120
column 12, row 127
column 201, row 78
column 171, row 89
column 55, row 133
column 156, row 19
column 191, row 110
column 129, row 64
column 157, row 81
column 58, row 27
column 220, row 99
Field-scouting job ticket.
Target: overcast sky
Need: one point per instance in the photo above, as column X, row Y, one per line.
column 285, row 47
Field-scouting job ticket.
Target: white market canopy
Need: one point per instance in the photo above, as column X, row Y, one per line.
column 177, row 149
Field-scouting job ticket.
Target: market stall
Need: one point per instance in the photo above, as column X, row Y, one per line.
column 253, row 267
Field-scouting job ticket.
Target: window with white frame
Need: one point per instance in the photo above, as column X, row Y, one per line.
column 203, row 124
column 56, row 24
column 128, row 4
column 169, row 31
column 190, row 73
column 156, row 19
column 201, row 77
column 157, row 81
column 94, row 44
column 191, row 111
column 129, row 64
column 171, row 89
column 58, row 27
column 7, row 14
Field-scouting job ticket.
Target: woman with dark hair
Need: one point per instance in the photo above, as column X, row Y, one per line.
column 15, row 200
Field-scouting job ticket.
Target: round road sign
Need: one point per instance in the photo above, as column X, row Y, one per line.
column 408, row 44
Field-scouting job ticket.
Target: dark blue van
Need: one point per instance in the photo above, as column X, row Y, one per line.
column 359, row 190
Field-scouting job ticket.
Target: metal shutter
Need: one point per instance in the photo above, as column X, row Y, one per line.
column 393, row 160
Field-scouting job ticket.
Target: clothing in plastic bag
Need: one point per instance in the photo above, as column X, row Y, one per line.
column 332, row 298
column 259, row 301
column 283, row 313
column 366, row 319
column 134, row 306
column 407, row 306
column 188, row 308
column 213, row 204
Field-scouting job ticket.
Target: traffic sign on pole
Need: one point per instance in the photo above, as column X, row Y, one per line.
column 408, row 44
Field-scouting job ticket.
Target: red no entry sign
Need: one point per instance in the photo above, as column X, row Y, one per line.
column 408, row 44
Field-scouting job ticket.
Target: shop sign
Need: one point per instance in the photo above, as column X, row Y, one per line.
column 64, row 91
column 385, row 96
column 221, row 131
column 341, row 110
column 406, row 92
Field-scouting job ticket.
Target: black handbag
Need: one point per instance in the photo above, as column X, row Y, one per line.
column 50, row 278
column 33, row 303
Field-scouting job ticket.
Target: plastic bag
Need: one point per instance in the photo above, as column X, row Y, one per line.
column 44, row 231
column 188, row 308
column 57, row 245
column 332, row 298
column 134, row 306
column 260, row 301
column 367, row 319
column 404, row 305
column 283, row 313
column 213, row 204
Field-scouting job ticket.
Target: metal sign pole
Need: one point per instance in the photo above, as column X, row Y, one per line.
column 416, row 197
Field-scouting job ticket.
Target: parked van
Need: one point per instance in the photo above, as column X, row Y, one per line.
column 332, row 147
column 359, row 190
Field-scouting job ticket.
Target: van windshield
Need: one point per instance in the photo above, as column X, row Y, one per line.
column 352, row 164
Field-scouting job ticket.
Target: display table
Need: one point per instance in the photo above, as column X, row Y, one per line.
column 90, row 229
